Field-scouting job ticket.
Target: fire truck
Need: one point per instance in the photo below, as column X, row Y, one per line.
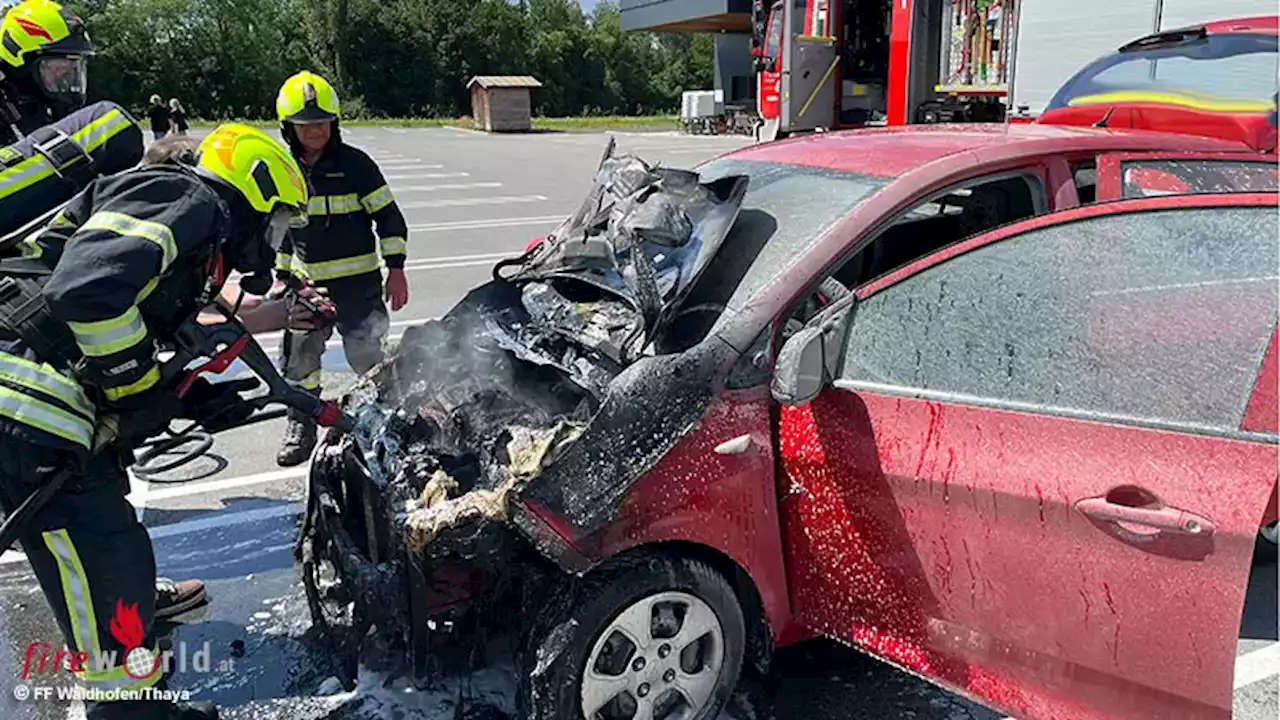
column 834, row 64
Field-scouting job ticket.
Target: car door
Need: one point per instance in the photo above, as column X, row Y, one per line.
column 1152, row 174
column 1029, row 481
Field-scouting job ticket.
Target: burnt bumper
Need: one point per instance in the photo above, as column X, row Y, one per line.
column 356, row 555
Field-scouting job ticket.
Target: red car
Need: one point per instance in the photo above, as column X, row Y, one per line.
column 1216, row 79
column 1026, row 457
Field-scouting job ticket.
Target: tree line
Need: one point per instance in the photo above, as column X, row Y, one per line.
column 389, row 58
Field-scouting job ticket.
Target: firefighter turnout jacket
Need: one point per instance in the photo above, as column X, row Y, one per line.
column 348, row 196
column 123, row 263
column 46, row 168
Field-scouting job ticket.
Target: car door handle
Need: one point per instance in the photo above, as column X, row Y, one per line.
column 736, row 446
column 1166, row 518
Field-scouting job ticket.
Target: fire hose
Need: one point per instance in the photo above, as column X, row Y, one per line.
column 148, row 463
column 222, row 343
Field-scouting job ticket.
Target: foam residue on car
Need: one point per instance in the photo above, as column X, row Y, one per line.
column 547, row 384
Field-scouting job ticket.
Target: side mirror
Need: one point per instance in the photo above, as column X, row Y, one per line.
column 801, row 370
column 810, row 358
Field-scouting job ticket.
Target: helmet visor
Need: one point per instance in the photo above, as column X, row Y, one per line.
column 280, row 221
column 311, row 114
column 65, row 77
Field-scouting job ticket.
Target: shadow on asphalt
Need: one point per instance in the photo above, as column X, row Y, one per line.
column 1260, row 621
column 825, row 680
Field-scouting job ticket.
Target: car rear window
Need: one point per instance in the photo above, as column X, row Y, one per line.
column 786, row 209
column 1233, row 73
column 1156, row 316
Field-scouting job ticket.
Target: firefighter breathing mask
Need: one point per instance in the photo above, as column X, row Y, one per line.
column 64, row 77
column 279, row 222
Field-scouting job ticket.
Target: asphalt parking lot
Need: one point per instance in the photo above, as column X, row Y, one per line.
column 229, row 517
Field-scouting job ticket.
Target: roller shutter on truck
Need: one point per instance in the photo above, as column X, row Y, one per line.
column 1057, row 37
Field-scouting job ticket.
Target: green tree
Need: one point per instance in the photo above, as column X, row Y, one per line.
column 227, row 58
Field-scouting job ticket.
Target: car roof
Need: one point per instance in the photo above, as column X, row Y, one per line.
column 892, row 151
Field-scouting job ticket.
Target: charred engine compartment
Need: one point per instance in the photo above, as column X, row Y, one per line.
column 548, row 383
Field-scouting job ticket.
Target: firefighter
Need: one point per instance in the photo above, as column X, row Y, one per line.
column 57, row 148
column 119, row 268
column 258, row 313
column 54, row 145
column 337, row 249
column 44, row 51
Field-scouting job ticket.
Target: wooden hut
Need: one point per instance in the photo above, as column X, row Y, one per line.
column 501, row 103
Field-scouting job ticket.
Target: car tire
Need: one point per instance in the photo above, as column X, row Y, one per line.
column 1264, row 549
column 587, row 629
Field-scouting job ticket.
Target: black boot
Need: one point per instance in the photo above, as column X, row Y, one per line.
column 299, row 440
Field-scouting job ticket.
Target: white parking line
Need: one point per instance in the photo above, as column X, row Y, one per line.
column 456, row 186
column 231, row 483
column 450, row 259
column 409, row 164
column 426, row 176
column 1257, row 665
column 217, row 519
column 466, row 202
column 480, row 224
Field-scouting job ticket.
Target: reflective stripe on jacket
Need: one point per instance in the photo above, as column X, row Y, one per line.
column 37, row 395
column 29, row 187
column 348, row 197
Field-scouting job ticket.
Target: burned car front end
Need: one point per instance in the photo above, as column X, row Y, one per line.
column 503, row 433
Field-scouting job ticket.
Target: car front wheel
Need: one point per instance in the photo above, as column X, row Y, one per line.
column 650, row 639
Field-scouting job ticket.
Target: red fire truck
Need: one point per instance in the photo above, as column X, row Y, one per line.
column 832, row 64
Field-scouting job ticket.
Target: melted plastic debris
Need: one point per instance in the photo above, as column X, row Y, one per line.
column 519, row 367
column 528, row 450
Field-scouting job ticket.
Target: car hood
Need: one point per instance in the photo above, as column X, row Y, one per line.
column 644, row 235
column 552, row 364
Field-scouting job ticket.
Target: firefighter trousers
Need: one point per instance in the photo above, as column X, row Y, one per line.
column 96, row 567
column 363, row 323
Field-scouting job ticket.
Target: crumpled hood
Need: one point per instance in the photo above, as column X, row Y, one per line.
column 644, row 234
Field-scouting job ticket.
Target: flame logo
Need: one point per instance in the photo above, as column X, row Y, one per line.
column 33, row 29
column 223, row 143
column 126, row 628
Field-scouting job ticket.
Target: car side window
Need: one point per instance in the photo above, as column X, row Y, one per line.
column 1151, row 178
column 1159, row 315
column 946, row 218
column 1085, row 175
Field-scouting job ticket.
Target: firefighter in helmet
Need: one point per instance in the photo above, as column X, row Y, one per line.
column 82, row 310
column 44, row 53
column 337, row 249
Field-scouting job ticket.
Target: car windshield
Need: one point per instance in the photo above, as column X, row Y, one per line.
column 1231, row 73
column 786, row 209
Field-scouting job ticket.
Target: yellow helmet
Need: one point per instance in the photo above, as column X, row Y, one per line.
column 41, row 27
column 307, row 98
column 260, row 168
